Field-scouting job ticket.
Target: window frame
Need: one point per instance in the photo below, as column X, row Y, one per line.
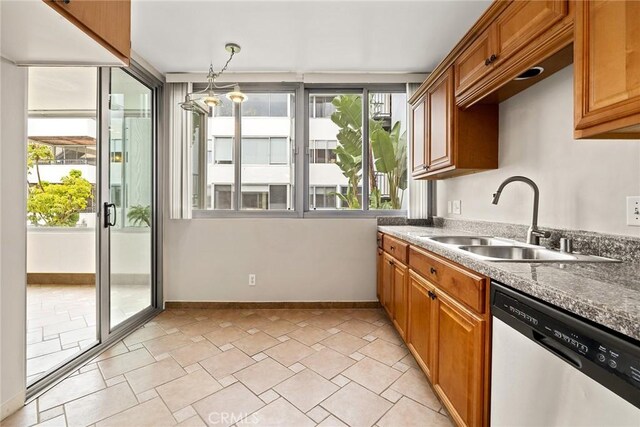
column 299, row 153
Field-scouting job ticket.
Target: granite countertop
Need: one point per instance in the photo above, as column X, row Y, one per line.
column 605, row 293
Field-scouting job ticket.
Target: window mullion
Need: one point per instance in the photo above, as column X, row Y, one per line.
column 237, row 146
column 365, row 150
column 302, row 159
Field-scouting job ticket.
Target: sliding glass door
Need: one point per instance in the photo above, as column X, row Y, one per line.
column 128, row 220
column 130, row 190
column 92, row 265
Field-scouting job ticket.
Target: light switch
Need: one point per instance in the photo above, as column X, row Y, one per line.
column 457, row 207
column 633, row 211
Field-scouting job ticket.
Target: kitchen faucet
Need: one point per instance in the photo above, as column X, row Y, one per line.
column 533, row 234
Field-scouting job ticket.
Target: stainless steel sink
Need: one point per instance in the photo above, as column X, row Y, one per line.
column 471, row 241
column 497, row 249
column 518, row 253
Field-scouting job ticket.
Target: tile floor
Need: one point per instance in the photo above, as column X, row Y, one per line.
column 247, row 367
column 61, row 320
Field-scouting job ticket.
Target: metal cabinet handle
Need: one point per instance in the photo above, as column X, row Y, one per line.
column 431, row 295
column 392, row 263
column 107, row 215
column 393, row 248
column 433, row 271
column 490, row 59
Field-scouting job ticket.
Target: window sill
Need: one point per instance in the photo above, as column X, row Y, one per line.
column 229, row 214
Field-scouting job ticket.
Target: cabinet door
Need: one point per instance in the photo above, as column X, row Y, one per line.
column 458, row 373
column 400, row 303
column 440, row 122
column 607, row 67
column 523, row 21
column 379, row 259
column 387, row 283
column 110, row 20
column 420, row 322
column 473, row 63
column 418, row 139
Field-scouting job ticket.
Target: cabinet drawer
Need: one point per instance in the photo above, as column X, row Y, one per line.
column 464, row 286
column 395, row 247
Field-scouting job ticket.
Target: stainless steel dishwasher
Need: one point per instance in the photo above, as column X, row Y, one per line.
column 551, row 368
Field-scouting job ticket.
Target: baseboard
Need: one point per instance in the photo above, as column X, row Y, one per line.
column 12, row 405
column 61, row 279
column 272, row 305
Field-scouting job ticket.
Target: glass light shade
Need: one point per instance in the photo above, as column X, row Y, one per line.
column 237, row 96
column 212, row 100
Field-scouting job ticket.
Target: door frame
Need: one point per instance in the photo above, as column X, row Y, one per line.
column 105, row 337
column 104, row 235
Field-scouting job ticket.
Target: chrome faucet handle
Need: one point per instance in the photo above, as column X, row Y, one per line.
column 541, row 233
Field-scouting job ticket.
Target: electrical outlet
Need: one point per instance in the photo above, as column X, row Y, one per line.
column 633, row 211
column 449, row 207
column 457, row 207
column 252, row 280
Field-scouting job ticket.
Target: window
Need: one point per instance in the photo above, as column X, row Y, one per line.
column 222, row 150
column 255, row 151
column 266, row 105
column 388, row 134
column 347, row 196
column 278, row 197
column 222, row 197
column 197, row 166
column 322, row 151
column 255, row 197
column 225, row 109
column 321, row 106
column 264, row 151
column 335, row 151
column 278, row 153
column 322, row 197
column 266, row 164
column 354, row 158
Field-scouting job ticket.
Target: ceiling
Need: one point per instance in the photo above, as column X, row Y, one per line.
column 301, row 35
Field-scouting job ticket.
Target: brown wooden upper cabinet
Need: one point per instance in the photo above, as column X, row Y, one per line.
column 440, row 111
column 475, row 62
column 607, row 69
column 448, row 141
column 106, row 21
column 522, row 35
column 418, row 135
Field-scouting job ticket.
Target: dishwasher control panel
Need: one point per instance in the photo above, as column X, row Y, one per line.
column 605, row 354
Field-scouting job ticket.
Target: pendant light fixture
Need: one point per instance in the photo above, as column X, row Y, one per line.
column 207, row 98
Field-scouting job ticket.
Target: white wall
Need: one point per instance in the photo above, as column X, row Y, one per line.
column 73, row 250
column 583, row 183
column 13, row 134
column 294, row 259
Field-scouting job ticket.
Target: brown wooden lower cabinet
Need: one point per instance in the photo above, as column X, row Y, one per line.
column 386, row 292
column 379, row 259
column 421, row 319
column 400, row 303
column 458, row 368
column 447, row 332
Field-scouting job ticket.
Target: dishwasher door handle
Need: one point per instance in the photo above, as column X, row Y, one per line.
column 557, row 349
